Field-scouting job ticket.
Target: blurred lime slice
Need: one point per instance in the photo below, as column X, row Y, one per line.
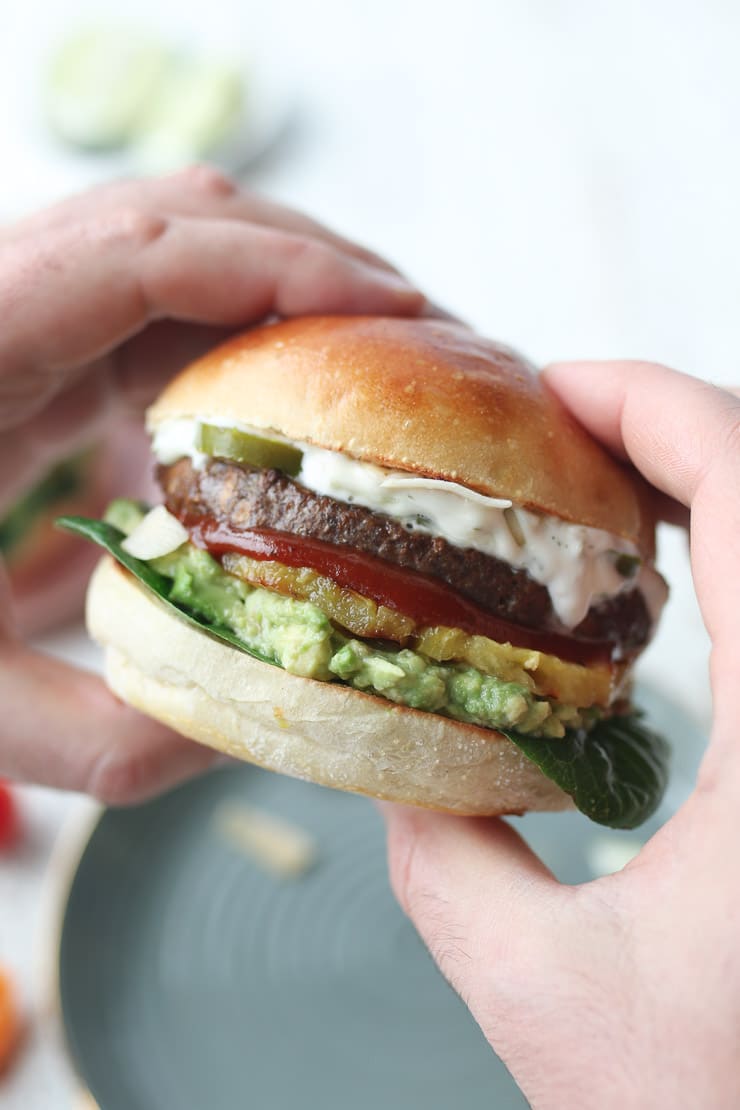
column 114, row 88
column 199, row 108
column 101, row 85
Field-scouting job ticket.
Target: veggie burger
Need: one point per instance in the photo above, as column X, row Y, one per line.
column 388, row 561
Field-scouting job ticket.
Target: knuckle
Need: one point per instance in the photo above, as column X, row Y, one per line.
column 321, row 266
column 311, row 252
column 208, row 180
column 723, row 450
column 732, row 432
column 128, row 225
column 116, row 780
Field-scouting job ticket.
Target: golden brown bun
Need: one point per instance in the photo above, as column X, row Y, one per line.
column 419, row 395
column 323, row 732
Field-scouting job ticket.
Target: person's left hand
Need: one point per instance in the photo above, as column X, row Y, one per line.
column 103, row 298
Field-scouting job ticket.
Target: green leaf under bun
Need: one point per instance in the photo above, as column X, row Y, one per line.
column 616, row 772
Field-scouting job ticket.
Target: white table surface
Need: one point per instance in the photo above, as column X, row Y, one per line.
column 562, row 173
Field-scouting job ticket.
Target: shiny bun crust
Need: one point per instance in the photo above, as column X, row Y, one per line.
column 326, row 733
column 419, row 395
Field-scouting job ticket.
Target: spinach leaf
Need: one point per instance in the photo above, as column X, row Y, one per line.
column 110, row 538
column 616, row 772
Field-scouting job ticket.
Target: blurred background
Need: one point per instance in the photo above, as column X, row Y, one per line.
column 563, row 174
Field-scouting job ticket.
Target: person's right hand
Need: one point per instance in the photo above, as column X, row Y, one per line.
column 102, row 299
column 624, row 991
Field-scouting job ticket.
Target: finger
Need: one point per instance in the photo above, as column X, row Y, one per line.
column 61, row 727
column 477, row 895
column 672, row 427
column 198, row 191
column 84, row 289
column 206, row 192
column 144, row 364
column 89, row 412
column 683, row 435
column 89, row 287
column 55, row 596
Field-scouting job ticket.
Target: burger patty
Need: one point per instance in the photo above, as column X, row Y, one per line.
column 246, row 498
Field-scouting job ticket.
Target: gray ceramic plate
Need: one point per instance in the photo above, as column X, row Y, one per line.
column 191, row 978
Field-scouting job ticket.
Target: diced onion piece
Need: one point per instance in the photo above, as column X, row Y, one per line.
column 278, row 846
column 399, row 481
column 159, row 533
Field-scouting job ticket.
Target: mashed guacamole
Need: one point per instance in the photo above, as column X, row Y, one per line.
column 297, row 636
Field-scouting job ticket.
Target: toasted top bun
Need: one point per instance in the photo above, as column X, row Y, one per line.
column 418, row 395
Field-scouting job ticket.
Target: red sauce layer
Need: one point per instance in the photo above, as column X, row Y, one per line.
column 425, row 599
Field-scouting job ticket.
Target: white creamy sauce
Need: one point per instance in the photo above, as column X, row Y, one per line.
column 574, row 562
column 176, row 439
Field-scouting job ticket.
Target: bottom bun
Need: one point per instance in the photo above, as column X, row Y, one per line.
column 323, row 732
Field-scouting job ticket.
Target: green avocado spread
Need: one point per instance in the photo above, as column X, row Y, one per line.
column 299, row 637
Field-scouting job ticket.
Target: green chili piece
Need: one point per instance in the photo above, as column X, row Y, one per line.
column 242, row 447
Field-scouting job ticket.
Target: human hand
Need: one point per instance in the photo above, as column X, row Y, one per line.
column 624, row 991
column 102, row 298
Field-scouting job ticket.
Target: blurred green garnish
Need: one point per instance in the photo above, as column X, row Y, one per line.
column 109, row 88
column 101, row 86
column 198, row 107
column 65, row 480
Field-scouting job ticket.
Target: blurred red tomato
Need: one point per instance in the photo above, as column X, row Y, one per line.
column 9, row 822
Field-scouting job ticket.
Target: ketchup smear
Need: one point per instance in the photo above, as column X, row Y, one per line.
column 425, row 599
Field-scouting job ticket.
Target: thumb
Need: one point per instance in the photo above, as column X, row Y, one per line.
column 481, row 901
